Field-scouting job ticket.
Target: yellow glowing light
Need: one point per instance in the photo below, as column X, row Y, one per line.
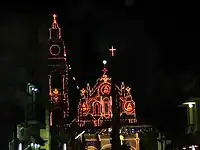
column 190, row 105
column 54, row 18
column 55, row 91
column 187, row 103
column 121, row 137
column 129, row 107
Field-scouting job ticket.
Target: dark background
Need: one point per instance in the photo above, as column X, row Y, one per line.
column 157, row 49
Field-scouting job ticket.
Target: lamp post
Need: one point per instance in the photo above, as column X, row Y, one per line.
column 32, row 90
column 192, row 118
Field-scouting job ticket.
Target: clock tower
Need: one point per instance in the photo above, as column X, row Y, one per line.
column 58, row 83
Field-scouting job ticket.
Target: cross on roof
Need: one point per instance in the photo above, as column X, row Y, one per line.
column 112, row 50
column 54, row 18
column 104, row 70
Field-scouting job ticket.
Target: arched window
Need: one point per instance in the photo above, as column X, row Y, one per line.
column 97, row 108
column 106, row 108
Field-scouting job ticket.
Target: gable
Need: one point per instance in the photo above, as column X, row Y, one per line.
column 96, row 102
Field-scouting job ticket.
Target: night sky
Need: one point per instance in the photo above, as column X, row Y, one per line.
column 156, row 41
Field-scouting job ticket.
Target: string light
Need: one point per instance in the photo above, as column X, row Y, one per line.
column 69, row 67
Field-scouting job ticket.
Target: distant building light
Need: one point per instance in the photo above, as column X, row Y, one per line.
column 34, row 145
column 37, row 145
column 20, row 146
column 77, row 87
column 189, row 103
column 74, row 78
column 69, row 67
column 34, row 89
column 64, row 146
column 79, row 135
column 193, row 147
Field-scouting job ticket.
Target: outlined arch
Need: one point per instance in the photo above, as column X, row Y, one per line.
column 106, row 146
column 102, row 85
column 106, row 107
column 129, row 107
column 96, row 108
column 105, row 89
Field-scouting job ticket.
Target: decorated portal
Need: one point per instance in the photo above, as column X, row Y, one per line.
column 95, row 106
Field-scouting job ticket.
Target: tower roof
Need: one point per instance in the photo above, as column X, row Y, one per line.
column 55, row 23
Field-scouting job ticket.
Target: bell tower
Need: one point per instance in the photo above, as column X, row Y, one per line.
column 58, row 82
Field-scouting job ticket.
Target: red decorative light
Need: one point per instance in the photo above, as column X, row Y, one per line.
column 105, row 89
column 84, row 107
column 129, row 107
column 104, row 70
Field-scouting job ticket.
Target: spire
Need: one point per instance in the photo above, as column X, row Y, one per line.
column 55, row 24
column 104, row 71
column 55, row 31
column 54, row 18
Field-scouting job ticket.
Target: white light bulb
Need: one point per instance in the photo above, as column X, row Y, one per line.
column 190, row 105
column 104, row 62
column 35, row 89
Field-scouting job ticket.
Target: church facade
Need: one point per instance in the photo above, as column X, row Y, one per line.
column 95, row 114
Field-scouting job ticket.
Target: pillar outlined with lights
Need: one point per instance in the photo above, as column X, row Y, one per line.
column 58, row 84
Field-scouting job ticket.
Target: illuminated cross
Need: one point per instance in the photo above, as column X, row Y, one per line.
column 112, row 50
column 104, row 70
column 54, row 18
